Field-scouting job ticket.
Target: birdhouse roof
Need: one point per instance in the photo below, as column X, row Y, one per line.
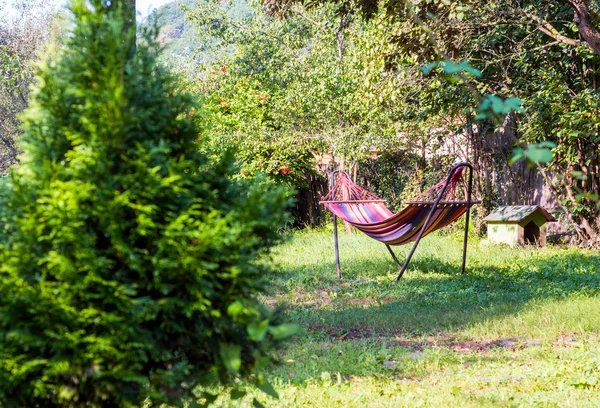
column 517, row 213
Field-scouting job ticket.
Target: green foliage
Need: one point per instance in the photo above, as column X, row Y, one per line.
column 11, row 75
column 493, row 107
column 13, row 70
column 535, row 153
column 288, row 89
column 563, row 111
column 451, row 67
column 128, row 260
column 490, row 106
column 242, row 120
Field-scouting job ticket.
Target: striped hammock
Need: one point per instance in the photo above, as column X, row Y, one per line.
column 433, row 209
column 368, row 213
column 379, row 223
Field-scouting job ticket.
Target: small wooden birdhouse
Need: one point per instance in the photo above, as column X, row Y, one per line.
column 518, row 225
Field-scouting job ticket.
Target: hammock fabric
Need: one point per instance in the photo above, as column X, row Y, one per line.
column 433, row 209
column 368, row 213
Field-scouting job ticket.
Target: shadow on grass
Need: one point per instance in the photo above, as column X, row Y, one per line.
column 433, row 302
column 366, row 323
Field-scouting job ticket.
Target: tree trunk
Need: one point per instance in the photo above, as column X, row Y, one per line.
column 129, row 11
column 583, row 19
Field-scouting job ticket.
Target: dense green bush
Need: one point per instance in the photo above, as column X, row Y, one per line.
column 128, row 260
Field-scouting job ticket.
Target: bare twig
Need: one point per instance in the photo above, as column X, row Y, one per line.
column 321, row 28
column 548, row 29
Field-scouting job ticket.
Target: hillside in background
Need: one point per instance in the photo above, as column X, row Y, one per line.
column 179, row 36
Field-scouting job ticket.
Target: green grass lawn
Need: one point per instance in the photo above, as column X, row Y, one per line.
column 519, row 328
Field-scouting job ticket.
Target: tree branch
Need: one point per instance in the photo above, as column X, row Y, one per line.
column 583, row 19
column 311, row 20
column 548, row 29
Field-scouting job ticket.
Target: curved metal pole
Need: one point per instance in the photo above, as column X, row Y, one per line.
column 469, row 191
column 433, row 208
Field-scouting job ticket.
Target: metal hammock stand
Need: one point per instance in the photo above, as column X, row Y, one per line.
column 431, row 210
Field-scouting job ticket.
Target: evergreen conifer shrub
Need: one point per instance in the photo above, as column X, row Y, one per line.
column 128, row 260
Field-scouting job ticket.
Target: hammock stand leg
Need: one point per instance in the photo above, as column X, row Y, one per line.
column 432, row 211
column 394, row 256
column 335, row 233
column 337, row 250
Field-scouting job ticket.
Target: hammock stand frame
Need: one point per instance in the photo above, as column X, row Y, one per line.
column 402, row 268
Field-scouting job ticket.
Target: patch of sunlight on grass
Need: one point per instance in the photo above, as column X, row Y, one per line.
column 546, row 319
